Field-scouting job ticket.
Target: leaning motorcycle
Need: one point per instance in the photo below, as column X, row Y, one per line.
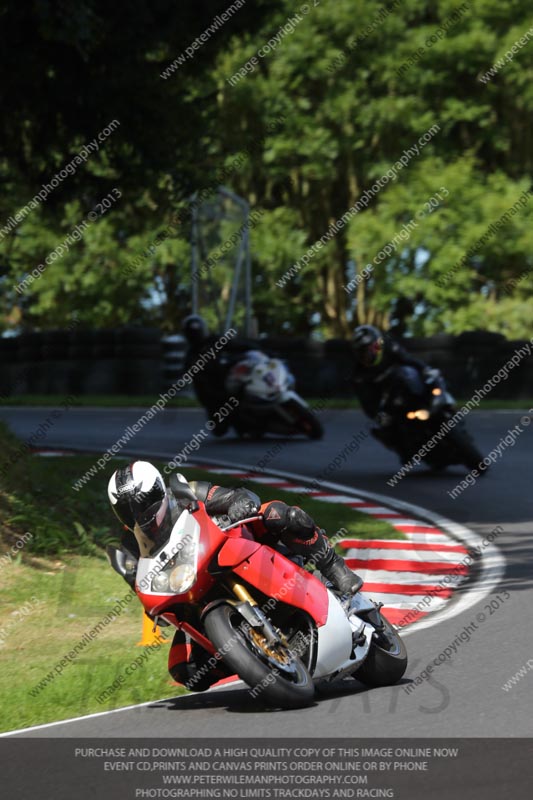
column 407, row 424
column 267, row 400
column 276, row 625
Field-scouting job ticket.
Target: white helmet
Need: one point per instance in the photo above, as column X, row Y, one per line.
column 137, row 494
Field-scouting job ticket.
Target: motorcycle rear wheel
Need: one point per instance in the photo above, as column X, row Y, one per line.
column 277, row 676
column 386, row 661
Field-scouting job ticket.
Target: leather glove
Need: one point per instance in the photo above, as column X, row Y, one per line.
column 246, row 504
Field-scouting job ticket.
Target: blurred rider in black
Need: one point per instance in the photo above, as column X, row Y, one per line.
column 210, row 382
column 386, row 379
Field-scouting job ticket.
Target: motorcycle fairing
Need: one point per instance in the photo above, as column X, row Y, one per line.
column 236, row 550
column 276, row 576
column 186, row 528
column 335, row 641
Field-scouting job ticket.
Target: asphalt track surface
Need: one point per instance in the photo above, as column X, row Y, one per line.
column 464, row 695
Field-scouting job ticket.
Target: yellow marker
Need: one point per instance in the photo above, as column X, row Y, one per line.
column 149, row 634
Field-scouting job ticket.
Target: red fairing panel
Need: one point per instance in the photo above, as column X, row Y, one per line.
column 235, row 551
column 276, row 576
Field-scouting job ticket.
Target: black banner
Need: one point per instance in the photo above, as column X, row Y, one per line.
column 76, row 769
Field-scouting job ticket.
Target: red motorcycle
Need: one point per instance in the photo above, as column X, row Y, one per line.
column 271, row 622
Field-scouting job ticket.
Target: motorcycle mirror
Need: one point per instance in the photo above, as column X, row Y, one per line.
column 117, row 559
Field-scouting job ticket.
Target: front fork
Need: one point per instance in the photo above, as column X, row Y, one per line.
column 251, row 612
column 248, row 609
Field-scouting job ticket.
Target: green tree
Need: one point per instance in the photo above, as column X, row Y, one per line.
column 351, row 109
column 301, row 132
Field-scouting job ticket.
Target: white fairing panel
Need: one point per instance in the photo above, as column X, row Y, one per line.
column 334, row 640
column 186, row 531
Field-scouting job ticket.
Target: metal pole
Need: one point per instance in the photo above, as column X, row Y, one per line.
column 245, row 245
column 248, row 284
column 235, row 286
column 194, row 254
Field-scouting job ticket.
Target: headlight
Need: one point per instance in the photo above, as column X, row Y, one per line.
column 178, row 573
column 160, row 582
column 182, row 578
column 422, row 414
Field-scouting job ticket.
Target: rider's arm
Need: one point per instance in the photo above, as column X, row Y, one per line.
column 236, row 502
column 399, row 355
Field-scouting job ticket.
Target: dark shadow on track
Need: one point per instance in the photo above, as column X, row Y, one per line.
column 238, row 700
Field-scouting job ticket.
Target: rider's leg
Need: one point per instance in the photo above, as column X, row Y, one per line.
column 406, row 388
column 298, row 531
column 190, row 665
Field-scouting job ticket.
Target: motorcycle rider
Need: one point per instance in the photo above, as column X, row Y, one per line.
column 210, row 382
column 141, row 501
column 386, row 378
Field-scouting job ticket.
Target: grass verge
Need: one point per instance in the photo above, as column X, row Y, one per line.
column 97, row 400
column 65, row 599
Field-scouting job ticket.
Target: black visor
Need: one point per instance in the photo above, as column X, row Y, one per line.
column 156, row 522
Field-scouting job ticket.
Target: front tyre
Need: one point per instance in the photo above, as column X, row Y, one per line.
column 305, row 420
column 468, row 453
column 272, row 671
column 386, row 661
column 310, row 424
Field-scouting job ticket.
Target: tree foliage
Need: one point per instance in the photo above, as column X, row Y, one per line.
column 341, row 91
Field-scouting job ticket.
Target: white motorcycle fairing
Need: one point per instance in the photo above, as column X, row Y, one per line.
column 180, row 552
column 344, row 641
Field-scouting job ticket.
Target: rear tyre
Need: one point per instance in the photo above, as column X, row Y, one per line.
column 277, row 676
column 386, row 661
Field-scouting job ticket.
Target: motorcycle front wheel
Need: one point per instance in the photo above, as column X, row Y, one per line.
column 386, row 661
column 274, row 674
column 305, row 420
column 469, row 454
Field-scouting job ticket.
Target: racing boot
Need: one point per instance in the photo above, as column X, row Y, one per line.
column 333, row 568
column 297, row 530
